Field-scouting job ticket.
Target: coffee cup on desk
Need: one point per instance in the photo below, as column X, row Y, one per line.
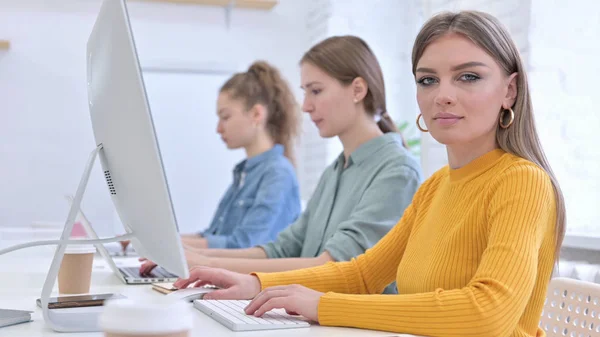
column 75, row 273
column 156, row 317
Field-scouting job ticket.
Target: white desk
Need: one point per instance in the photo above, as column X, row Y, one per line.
column 22, row 276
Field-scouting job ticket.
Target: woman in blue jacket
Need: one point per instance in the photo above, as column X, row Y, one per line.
column 257, row 112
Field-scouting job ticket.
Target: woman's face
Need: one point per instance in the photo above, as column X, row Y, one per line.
column 236, row 126
column 461, row 91
column 330, row 104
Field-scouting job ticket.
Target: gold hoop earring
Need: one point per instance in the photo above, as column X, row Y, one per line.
column 512, row 118
column 419, row 124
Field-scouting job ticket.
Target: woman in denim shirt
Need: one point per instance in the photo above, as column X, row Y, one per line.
column 257, row 111
column 362, row 194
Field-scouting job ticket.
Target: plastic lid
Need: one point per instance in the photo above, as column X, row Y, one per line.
column 145, row 316
column 80, row 249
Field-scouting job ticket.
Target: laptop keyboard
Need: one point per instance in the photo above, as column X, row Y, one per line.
column 157, row 272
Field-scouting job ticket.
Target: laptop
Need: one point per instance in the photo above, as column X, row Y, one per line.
column 127, row 274
column 131, row 274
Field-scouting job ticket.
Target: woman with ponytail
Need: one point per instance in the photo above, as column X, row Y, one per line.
column 257, row 112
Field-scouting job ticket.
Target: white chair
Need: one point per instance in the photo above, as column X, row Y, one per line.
column 572, row 308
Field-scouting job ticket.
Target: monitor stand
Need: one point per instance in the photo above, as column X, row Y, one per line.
column 75, row 319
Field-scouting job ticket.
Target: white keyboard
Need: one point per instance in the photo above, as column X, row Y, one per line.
column 231, row 314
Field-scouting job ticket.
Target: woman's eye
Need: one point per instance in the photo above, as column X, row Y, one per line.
column 425, row 81
column 469, row 78
column 316, row 91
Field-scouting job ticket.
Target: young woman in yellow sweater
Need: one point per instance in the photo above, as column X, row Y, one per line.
column 472, row 255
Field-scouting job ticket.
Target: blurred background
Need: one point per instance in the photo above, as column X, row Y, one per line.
column 188, row 48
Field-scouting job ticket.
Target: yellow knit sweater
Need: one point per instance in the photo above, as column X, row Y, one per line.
column 472, row 256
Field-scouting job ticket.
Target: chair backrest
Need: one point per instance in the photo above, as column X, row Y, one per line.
column 572, row 308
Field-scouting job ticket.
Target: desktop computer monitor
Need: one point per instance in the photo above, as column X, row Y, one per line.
column 130, row 155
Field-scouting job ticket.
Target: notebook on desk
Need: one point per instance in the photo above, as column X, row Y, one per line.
column 12, row 317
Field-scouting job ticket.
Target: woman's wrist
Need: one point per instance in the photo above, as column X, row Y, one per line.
column 257, row 284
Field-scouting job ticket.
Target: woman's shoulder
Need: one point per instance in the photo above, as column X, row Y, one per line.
column 393, row 153
column 279, row 166
column 513, row 169
column 433, row 181
column 276, row 175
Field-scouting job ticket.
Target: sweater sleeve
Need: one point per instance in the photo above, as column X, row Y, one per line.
column 520, row 212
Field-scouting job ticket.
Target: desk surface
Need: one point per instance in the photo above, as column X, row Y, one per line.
column 22, row 276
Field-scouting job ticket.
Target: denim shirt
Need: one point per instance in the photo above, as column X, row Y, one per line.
column 263, row 200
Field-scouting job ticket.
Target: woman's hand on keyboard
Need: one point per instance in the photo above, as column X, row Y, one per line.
column 295, row 299
column 234, row 286
column 146, row 266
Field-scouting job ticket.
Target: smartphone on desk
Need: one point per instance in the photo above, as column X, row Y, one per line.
column 78, row 301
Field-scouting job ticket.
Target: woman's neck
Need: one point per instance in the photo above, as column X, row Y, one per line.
column 359, row 134
column 461, row 154
column 261, row 144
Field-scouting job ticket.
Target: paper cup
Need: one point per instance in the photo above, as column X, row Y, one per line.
column 75, row 273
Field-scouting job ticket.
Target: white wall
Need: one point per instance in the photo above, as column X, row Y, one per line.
column 564, row 81
column 45, row 131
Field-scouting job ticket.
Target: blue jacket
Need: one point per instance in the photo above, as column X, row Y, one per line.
column 263, row 200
